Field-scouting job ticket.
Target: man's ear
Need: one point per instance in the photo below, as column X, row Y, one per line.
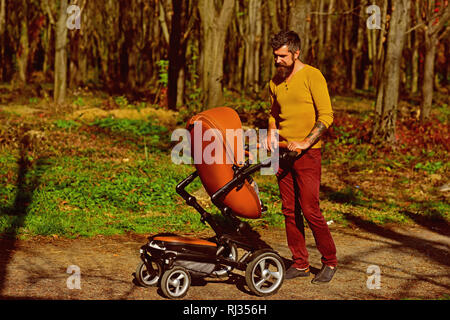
column 297, row 54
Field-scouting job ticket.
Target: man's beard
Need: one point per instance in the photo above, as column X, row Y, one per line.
column 284, row 71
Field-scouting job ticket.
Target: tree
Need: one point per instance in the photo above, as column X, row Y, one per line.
column 24, row 48
column 2, row 37
column 182, row 19
column 250, row 29
column 434, row 28
column 214, row 29
column 299, row 21
column 388, row 88
column 60, row 83
column 357, row 50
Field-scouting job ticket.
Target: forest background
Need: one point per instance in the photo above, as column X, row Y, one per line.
column 90, row 92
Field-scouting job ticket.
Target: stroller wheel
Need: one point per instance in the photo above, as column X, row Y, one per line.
column 265, row 273
column 175, row 282
column 147, row 275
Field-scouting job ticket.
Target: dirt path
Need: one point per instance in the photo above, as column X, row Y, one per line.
column 414, row 263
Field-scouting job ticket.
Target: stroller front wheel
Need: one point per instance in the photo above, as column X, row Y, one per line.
column 265, row 273
column 175, row 282
column 148, row 274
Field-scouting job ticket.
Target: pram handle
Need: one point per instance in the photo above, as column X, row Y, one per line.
column 237, row 180
column 283, row 145
column 244, row 174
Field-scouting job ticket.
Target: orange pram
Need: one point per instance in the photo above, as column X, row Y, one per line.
column 169, row 261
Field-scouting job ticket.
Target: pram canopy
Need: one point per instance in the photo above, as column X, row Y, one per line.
column 243, row 201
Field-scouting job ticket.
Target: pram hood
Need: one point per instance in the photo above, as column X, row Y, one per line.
column 243, row 201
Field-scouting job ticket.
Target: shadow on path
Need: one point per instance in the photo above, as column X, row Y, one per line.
column 426, row 247
column 434, row 220
column 26, row 185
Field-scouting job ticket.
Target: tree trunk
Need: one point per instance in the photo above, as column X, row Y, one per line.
column 162, row 21
column 376, row 51
column 415, row 64
column 2, row 38
column 415, row 53
column 255, row 30
column 428, row 77
column 367, row 73
column 266, row 49
column 250, row 29
column 214, row 29
column 388, row 91
column 273, row 15
column 329, row 23
column 24, row 46
column 357, row 51
column 175, row 56
column 432, row 34
column 61, row 55
column 321, row 35
column 299, row 21
column 180, row 87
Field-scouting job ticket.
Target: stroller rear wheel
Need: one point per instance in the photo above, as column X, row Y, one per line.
column 265, row 273
column 148, row 274
column 175, row 282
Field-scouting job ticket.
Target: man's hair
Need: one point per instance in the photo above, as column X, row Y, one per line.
column 289, row 38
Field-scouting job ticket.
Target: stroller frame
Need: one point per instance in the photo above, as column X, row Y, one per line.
column 169, row 261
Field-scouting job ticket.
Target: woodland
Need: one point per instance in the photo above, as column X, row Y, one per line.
column 91, row 90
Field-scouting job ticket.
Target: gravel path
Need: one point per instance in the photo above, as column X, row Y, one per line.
column 414, row 263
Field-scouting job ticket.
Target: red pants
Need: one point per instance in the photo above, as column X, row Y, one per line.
column 299, row 189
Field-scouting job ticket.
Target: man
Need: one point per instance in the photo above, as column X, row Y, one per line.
column 301, row 111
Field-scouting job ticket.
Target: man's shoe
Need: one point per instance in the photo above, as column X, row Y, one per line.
column 325, row 275
column 293, row 272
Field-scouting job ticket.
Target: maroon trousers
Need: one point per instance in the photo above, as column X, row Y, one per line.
column 299, row 189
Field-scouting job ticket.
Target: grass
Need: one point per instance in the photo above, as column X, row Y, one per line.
column 112, row 176
column 78, row 197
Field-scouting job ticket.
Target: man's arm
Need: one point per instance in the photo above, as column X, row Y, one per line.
column 270, row 141
column 322, row 102
column 317, row 131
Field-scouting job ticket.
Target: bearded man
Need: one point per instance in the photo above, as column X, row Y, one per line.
column 301, row 111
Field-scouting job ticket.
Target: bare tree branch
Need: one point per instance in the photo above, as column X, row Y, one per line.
column 49, row 12
column 442, row 16
column 443, row 19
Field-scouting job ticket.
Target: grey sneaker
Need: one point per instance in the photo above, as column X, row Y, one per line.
column 325, row 275
column 293, row 272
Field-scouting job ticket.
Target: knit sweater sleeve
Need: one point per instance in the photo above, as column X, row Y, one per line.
column 321, row 97
column 272, row 99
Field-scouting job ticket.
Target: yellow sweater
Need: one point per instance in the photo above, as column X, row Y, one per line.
column 299, row 103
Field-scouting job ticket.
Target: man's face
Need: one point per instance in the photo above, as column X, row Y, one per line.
column 284, row 61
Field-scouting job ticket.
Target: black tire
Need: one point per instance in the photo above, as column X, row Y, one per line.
column 265, row 273
column 175, row 282
column 148, row 278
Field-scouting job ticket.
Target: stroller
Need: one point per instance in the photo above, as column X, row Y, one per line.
column 169, row 261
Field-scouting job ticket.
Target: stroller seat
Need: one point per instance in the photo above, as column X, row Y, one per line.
column 185, row 240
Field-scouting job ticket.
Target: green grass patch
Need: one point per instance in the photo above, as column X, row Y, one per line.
column 78, row 196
